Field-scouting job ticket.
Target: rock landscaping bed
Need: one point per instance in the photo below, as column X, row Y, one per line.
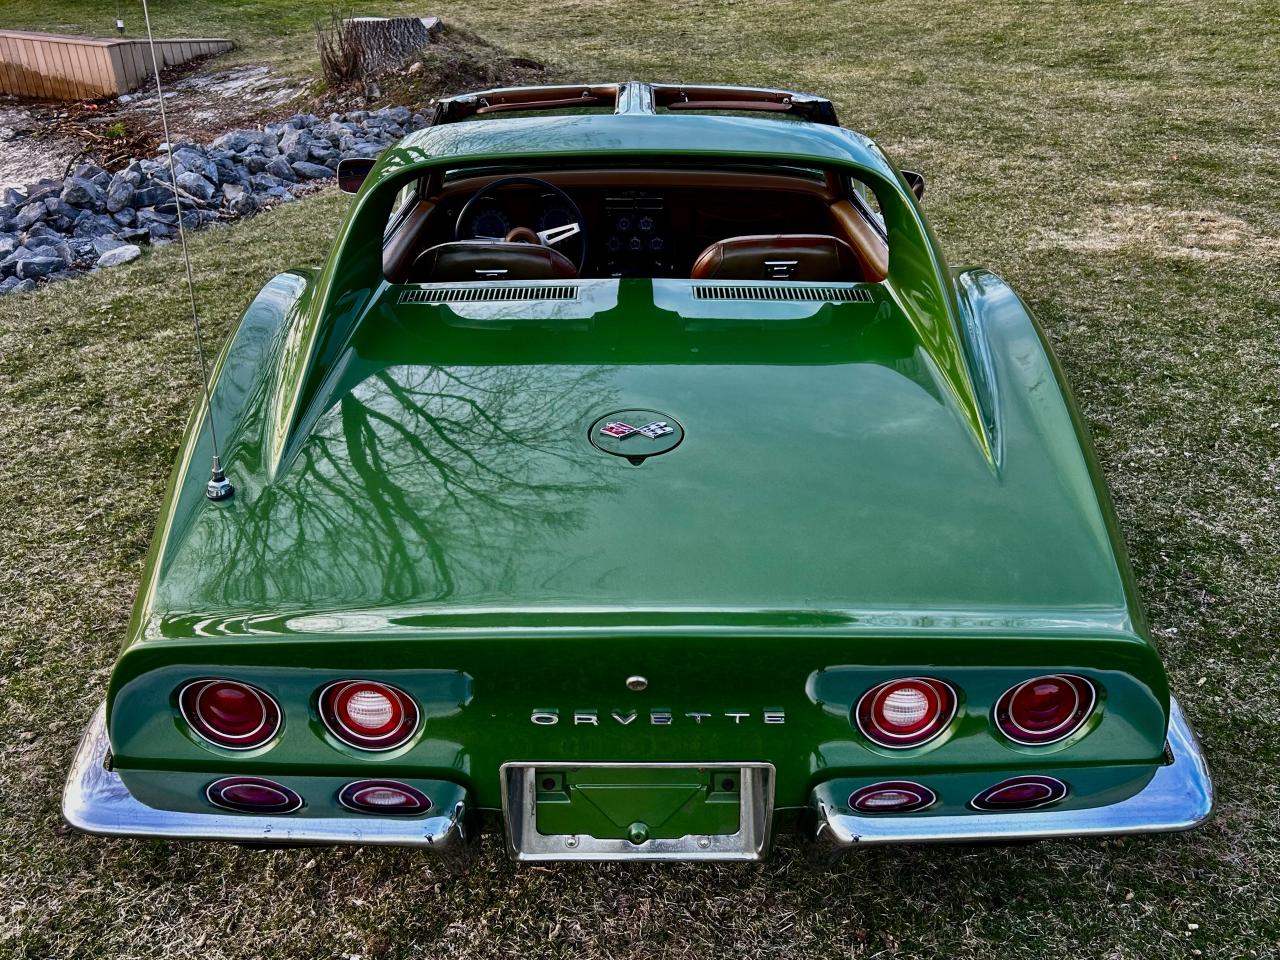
column 102, row 212
column 94, row 218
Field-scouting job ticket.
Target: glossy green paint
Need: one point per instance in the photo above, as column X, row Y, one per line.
column 617, row 803
column 863, row 490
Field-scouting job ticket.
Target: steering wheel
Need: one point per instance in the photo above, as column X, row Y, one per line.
column 549, row 237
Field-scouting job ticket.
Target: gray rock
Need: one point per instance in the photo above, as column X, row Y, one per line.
column 90, row 171
column 197, row 185
column 301, row 120
column 32, row 212
column 80, row 192
column 13, row 197
column 81, row 249
column 119, row 193
column 237, row 141
column 296, row 144
column 229, row 172
column 38, row 267
column 400, row 115
column 364, row 148
column 160, row 231
column 126, row 217
column 152, row 194
column 94, row 225
column 265, row 181
column 173, row 206
column 258, row 164
column 238, row 199
column 148, row 217
column 133, row 174
column 14, row 285
column 8, row 244
column 43, row 190
column 119, row 255
column 280, row 169
column 323, row 154
column 197, row 162
column 60, row 214
column 50, row 239
column 135, row 235
column 310, row 171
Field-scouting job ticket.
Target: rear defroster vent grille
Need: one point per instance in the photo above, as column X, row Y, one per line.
column 788, row 293
column 483, row 293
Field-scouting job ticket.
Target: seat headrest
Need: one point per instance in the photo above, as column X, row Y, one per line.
column 467, row 260
column 783, row 256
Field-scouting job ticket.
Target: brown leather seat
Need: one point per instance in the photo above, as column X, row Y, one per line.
column 783, row 256
column 465, row 260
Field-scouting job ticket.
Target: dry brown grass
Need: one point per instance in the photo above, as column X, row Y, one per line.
column 1129, row 129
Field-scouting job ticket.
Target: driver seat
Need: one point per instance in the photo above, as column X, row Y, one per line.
column 470, row 260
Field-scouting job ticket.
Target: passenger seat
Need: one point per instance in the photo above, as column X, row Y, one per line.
column 782, row 256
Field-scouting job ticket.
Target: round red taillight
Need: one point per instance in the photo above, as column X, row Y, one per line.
column 384, row 797
column 1045, row 709
column 229, row 714
column 252, row 795
column 892, row 796
column 906, row 713
column 1020, row 793
column 368, row 715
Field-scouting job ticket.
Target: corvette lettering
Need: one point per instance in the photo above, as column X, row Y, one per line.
column 656, row 718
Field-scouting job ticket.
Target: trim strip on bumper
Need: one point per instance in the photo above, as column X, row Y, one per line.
column 97, row 801
column 1178, row 797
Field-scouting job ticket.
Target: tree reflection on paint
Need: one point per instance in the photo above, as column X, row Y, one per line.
column 417, row 481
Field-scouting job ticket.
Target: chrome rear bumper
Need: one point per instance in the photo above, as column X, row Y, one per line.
column 1178, row 797
column 97, row 801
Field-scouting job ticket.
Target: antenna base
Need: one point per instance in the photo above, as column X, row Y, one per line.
column 219, row 487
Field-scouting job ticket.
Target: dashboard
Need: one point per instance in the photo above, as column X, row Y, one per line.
column 627, row 231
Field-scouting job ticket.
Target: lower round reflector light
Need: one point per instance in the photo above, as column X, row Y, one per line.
column 368, row 715
column 1045, row 709
column 384, row 797
column 892, row 796
column 907, row 712
column 1020, row 793
column 229, row 713
column 252, row 795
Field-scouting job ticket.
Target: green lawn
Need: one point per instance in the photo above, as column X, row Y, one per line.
column 1117, row 161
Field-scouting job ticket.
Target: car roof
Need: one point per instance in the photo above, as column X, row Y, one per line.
column 636, row 127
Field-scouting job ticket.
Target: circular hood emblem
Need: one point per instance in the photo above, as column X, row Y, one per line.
column 636, row 434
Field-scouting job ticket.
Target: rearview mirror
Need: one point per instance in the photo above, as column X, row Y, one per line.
column 351, row 173
column 914, row 180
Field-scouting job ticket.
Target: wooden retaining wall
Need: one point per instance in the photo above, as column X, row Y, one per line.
column 49, row 66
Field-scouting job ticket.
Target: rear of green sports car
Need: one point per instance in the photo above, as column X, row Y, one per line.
column 643, row 567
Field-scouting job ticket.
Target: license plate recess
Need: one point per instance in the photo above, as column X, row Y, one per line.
column 630, row 811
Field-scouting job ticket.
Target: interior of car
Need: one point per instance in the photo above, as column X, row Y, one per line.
column 736, row 223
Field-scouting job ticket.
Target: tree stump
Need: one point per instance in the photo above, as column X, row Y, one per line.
column 386, row 43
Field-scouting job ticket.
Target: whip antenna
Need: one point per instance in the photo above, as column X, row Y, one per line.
column 219, row 487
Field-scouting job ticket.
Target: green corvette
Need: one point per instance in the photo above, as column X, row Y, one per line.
column 637, row 480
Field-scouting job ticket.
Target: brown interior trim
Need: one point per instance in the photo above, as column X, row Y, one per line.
column 400, row 250
column 644, row 178
column 870, row 248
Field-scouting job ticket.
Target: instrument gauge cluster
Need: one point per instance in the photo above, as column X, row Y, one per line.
column 490, row 222
column 636, row 241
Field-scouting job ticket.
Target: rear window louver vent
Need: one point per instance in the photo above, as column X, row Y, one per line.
column 479, row 293
column 789, row 293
